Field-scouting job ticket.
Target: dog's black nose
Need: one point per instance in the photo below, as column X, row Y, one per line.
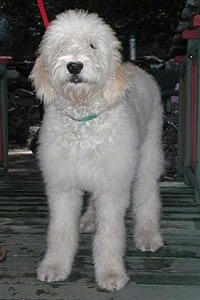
column 75, row 67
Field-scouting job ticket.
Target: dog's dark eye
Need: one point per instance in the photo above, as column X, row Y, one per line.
column 92, row 46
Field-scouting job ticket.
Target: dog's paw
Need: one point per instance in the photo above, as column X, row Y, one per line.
column 48, row 271
column 148, row 240
column 87, row 225
column 112, row 280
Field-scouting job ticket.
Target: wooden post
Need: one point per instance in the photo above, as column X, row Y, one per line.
column 3, row 116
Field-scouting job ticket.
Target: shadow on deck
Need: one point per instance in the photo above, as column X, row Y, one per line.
column 172, row 273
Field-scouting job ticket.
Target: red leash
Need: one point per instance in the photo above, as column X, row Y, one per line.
column 43, row 13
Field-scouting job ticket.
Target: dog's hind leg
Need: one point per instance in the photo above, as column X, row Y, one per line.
column 87, row 223
column 146, row 196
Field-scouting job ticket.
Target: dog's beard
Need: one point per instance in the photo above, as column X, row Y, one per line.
column 79, row 92
column 76, row 79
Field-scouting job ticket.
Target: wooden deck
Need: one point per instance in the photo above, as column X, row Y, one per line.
column 172, row 273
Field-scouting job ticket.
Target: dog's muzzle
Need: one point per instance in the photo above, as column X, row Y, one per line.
column 75, row 69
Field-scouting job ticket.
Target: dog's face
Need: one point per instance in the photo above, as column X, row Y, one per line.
column 79, row 51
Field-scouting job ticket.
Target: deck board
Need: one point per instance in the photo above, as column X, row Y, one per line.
column 171, row 273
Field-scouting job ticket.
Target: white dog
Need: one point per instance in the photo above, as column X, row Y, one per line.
column 101, row 133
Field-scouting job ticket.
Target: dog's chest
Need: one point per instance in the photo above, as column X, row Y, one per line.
column 87, row 151
column 87, row 136
column 107, row 132
column 66, row 132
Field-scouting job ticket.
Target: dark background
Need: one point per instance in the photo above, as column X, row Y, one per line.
column 154, row 23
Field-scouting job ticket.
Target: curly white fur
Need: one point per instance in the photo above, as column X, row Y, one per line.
column 119, row 147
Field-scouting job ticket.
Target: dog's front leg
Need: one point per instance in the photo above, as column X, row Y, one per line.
column 109, row 242
column 62, row 240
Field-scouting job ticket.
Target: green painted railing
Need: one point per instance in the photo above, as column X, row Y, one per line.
column 189, row 108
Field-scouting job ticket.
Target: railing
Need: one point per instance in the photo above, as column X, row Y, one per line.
column 189, row 108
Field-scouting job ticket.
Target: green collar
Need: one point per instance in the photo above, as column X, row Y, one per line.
column 84, row 119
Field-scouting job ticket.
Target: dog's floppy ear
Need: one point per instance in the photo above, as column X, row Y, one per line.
column 40, row 80
column 118, row 85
